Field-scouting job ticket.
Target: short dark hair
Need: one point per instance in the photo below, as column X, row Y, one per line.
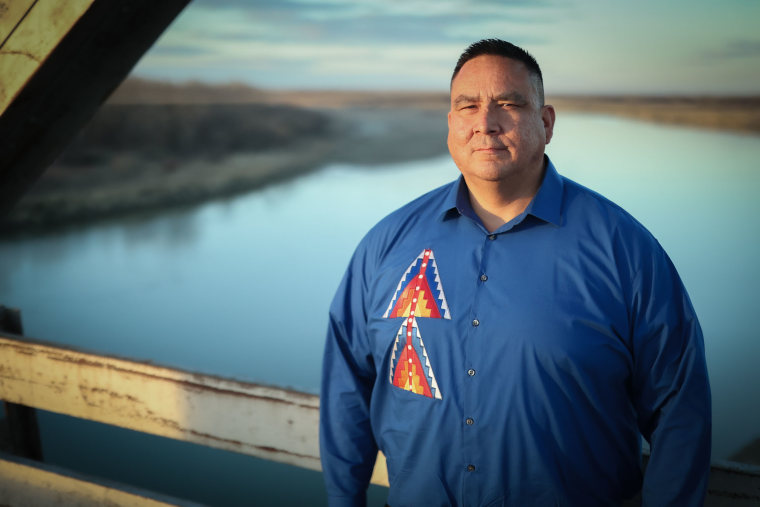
column 506, row 49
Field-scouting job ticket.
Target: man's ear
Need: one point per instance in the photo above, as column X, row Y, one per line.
column 548, row 115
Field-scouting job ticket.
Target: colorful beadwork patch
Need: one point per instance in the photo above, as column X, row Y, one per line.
column 410, row 364
column 416, row 296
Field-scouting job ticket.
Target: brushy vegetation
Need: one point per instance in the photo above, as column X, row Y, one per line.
column 208, row 131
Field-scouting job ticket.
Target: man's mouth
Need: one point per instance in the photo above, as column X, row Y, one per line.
column 491, row 149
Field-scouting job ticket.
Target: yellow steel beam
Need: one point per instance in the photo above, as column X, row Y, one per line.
column 11, row 14
column 29, row 32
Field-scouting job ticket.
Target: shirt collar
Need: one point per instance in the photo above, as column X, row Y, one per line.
column 546, row 205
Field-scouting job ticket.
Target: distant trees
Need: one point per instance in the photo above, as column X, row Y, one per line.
column 182, row 131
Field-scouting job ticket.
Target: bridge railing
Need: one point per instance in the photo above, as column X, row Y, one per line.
column 267, row 422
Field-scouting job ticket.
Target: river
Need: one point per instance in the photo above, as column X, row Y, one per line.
column 240, row 287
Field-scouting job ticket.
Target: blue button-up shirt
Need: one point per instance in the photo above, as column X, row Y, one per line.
column 517, row 367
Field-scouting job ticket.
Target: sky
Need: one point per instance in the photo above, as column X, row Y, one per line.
column 583, row 46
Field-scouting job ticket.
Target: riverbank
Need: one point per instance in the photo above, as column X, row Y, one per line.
column 732, row 114
column 158, row 145
column 98, row 184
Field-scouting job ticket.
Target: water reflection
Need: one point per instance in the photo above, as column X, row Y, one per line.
column 171, row 230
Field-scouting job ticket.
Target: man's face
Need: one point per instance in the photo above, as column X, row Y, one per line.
column 497, row 129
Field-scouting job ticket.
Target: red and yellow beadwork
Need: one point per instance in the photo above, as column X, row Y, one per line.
column 415, row 297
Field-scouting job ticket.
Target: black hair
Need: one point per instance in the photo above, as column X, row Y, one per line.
column 506, row 49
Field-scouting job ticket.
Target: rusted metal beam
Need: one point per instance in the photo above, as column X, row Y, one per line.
column 58, row 63
column 23, row 430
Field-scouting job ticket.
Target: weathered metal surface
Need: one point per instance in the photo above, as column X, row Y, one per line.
column 262, row 421
column 32, row 30
column 267, row 422
column 25, row 483
column 11, row 14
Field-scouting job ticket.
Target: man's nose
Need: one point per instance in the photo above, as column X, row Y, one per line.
column 487, row 121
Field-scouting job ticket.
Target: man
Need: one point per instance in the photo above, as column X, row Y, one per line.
column 507, row 338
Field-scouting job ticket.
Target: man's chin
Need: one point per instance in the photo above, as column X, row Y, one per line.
column 489, row 173
column 496, row 168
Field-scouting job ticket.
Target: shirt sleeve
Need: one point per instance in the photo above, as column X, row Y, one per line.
column 670, row 386
column 347, row 445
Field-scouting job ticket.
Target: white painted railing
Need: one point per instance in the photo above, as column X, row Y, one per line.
column 266, row 422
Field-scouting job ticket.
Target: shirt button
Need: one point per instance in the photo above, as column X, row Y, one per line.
column 471, row 372
column 470, row 421
column 492, row 237
column 470, row 468
column 476, row 322
column 483, row 278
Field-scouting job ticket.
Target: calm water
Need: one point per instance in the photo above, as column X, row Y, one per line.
column 240, row 288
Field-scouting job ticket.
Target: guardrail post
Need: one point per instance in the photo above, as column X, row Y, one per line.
column 21, row 421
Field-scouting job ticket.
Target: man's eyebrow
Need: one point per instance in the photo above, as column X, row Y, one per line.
column 464, row 99
column 511, row 97
column 515, row 97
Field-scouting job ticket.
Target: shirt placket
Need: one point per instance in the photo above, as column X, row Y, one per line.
column 470, row 418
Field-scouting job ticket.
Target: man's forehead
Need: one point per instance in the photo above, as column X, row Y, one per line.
column 492, row 76
column 483, row 66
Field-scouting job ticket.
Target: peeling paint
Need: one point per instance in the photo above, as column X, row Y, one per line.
column 259, row 420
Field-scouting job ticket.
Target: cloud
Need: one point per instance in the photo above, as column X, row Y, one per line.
column 735, row 49
column 399, row 43
column 412, row 43
column 326, row 10
column 304, row 65
column 421, row 6
column 180, row 50
column 358, row 23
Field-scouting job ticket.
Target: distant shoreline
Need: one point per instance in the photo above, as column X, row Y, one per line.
column 351, row 127
column 127, row 184
column 731, row 114
column 739, row 113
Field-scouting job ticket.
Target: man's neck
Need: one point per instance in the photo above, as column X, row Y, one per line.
column 498, row 202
